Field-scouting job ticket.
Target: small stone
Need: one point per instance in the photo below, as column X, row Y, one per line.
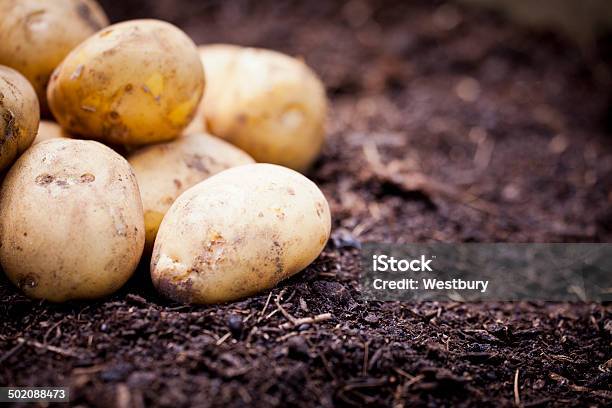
column 303, row 305
column 446, row 17
column 372, row 318
column 298, row 347
column 234, row 323
column 511, row 192
column 342, row 238
column 558, row 144
column 468, row 89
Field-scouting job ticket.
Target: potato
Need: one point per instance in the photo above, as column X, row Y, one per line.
column 270, row 105
column 36, row 35
column 19, row 115
column 133, row 83
column 221, row 55
column 197, row 124
column 166, row 170
column 239, row 232
column 49, row 130
column 72, row 223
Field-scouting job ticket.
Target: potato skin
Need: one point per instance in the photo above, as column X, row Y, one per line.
column 198, row 124
column 133, row 83
column 36, row 35
column 164, row 171
column 19, row 115
column 239, row 232
column 221, row 55
column 72, row 222
column 270, row 105
column 49, row 130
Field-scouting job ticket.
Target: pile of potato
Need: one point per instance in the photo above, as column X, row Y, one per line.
column 123, row 168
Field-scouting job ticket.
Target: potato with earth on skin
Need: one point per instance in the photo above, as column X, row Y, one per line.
column 239, row 232
column 19, row 115
column 134, row 83
column 220, row 55
column 270, row 105
column 36, row 35
column 197, row 124
column 49, row 130
column 166, row 170
column 72, row 223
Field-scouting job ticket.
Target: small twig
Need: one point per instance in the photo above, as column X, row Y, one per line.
column 368, row 383
column 370, row 151
column 177, row 308
column 606, row 367
column 11, row 352
column 579, row 388
column 272, row 313
column 50, row 330
column 375, row 357
column 123, row 396
column 244, row 394
column 290, row 296
column 403, row 373
column 287, row 336
column 285, row 313
column 517, row 397
column 413, row 381
column 306, row 320
column 565, row 359
column 365, row 358
column 250, row 336
column 222, row 339
column 263, row 311
column 53, row 349
column 246, row 319
column 88, row 370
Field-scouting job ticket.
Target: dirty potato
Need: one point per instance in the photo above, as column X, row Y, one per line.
column 166, row 170
column 49, row 130
column 36, row 35
column 220, row 56
column 72, row 222
column 239, row 232
column 269, row 104
column 19, row 115
column 197, row 124
column 131, row 84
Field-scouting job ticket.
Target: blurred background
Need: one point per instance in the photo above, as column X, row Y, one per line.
column 459, row 121
column 585, row 21
column 369, row 34
column 506, row 101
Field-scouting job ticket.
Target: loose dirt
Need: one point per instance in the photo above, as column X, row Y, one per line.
column 446, row 125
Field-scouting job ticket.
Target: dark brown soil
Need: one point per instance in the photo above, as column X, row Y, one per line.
column 493, row 134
